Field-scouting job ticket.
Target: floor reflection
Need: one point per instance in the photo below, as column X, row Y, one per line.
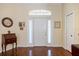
column 49, row 52
column 30, row 52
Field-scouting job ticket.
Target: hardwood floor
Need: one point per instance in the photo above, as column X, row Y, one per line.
column 37, row 51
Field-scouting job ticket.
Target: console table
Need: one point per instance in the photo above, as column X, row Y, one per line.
column 9, row 38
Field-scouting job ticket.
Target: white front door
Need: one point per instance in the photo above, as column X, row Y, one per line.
column 69, row 31
column 40, row 27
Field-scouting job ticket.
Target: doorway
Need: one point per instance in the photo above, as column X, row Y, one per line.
column 40, row 27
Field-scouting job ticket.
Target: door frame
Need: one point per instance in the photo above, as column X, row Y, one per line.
column 49, row 14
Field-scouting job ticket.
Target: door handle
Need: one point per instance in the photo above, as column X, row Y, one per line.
column 71, row 35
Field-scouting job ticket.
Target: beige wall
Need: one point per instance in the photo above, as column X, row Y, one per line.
column 19, row 12
column 75, row 9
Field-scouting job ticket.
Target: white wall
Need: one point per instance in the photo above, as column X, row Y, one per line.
column 19, row 12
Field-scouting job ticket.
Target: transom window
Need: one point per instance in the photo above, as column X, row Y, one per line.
column 40, row 12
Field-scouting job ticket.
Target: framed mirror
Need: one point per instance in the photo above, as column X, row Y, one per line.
column 7, row 22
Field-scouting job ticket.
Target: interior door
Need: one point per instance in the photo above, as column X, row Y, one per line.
column 40, row 31
column 69, row 31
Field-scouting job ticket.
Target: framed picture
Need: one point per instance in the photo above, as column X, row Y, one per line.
column 57, row 24
column 21, row 25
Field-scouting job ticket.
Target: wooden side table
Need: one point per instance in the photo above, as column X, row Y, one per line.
column 9, row 38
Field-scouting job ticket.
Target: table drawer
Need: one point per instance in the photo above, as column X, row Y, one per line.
column 8, row 41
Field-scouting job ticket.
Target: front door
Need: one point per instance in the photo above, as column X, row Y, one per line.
column 40, row 27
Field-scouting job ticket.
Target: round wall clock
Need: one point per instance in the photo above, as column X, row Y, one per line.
column 7, row 22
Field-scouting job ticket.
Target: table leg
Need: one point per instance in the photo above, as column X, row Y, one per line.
column 2, row 49
column 5, row 49
column 16, row 48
